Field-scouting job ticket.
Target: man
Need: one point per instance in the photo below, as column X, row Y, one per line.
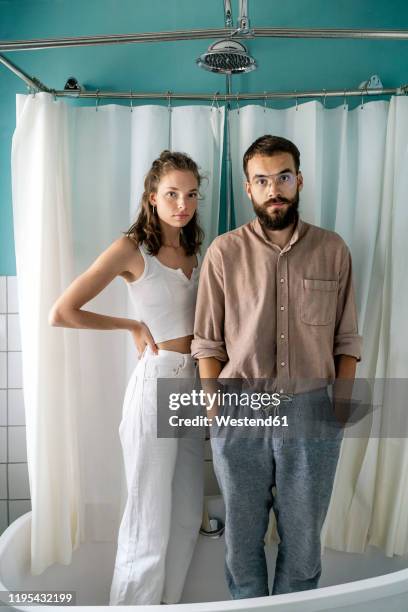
column 276, row 302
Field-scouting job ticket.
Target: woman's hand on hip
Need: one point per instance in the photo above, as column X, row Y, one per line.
column 142, row 337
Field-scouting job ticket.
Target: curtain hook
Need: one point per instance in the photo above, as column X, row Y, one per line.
column 324, row 98
column 344, row 100
column 217, row 93
column 215, row 100
column 264, row 101
column 55, row 95
column 296, row 99
column 33, row 92
column 131, row 102
column 97, row 100
column 169, row 101
column 362, row 100
column 237, row 102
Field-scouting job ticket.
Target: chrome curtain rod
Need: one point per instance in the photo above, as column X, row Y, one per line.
column 219, row 97
column 30, row 81
column 110, row 39
column 36, row 85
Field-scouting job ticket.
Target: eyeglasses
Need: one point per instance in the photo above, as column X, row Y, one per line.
column 284, row 180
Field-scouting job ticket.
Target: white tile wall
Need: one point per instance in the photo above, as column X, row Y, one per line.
column 13, row 332
column 3, row 516
column 3, row 481
column 19, row 487
column 18, row 507
column 3, row 294
column 12, row 297
column 16, row 412
column 3, row 407
column 3, row 444
column 17, row 447
column 14, row 481
column 3, row 332
column 3, row 370
column 14, row 370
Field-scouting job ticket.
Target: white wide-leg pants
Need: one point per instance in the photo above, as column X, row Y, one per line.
column 163, row 512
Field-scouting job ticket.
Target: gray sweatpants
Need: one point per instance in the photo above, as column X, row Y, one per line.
column 301, row 464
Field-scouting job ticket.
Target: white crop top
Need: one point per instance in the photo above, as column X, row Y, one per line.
column 164, row 298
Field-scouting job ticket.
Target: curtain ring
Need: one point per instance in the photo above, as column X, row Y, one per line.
column 131, row 102
column 215, row 100
column 344, row 101
column 362, row 100
column 324, row 99
column 169, row 102
column 96, row 100
column 264, row 101
column 296, row 98
column 237, row 102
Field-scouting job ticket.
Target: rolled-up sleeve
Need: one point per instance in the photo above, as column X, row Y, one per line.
column 209, row 338
column 347, row 341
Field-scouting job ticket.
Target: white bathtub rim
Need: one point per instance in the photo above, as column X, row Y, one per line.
column 358, row 591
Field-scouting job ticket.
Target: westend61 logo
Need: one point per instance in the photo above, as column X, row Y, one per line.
column 227, row 420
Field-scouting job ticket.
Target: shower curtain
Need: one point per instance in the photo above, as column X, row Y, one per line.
column 77, row 178
column 355, row 169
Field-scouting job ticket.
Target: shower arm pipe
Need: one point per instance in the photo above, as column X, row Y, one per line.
column 243, row 21
column 228, row 13
column 210, row 33
column 228, row 166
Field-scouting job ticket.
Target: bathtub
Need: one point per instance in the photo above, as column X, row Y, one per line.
column 367, row 582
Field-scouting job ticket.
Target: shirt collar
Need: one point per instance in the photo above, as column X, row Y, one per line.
column 299, row 231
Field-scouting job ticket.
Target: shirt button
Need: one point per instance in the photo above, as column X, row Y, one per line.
column 282, row 363
column 282, row 280
column 282, row 335
column 282, row 308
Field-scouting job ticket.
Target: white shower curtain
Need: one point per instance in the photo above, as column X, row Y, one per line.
column 77, row 178
column 355, row 168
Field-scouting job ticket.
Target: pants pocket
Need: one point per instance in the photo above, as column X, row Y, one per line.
column 128, row 400
column 149, row 396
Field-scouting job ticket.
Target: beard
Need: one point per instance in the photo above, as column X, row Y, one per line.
column 279, row 218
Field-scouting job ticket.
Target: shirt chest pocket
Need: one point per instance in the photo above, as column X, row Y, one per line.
column 318, row 301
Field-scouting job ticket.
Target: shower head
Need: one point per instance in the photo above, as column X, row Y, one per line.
column 227, row 57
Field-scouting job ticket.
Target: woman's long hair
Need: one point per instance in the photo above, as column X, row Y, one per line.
column 146, row 229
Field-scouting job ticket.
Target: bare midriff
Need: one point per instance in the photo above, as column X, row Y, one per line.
column 180, row 345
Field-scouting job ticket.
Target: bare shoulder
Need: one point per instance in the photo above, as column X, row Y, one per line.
column 132, row 260
column 114, row 261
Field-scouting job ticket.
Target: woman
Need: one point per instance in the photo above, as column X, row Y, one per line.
column 157, row 257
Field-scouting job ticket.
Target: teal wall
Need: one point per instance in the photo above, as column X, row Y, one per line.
column 284, row 64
